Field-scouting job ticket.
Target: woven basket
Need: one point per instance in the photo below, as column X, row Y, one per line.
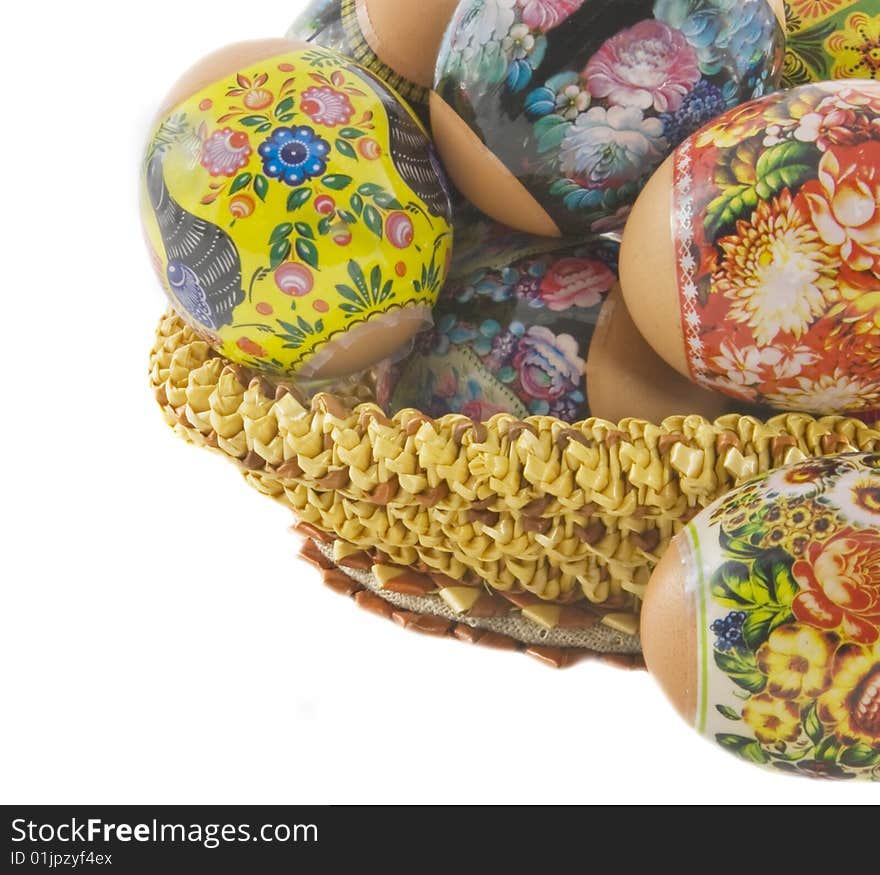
column 531, row 534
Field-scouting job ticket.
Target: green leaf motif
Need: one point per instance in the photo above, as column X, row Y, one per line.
column 345, row 148
column 324, row 225
column 738, row 546
column 386, row 201
column 283, row 107
column 261, row 186
column 368, row 189
column 773, row 581
column 731, row 586
column 351, row 133
column 308, row 252
column 761, row 622
column 742, row 669
column 828, row 751
column 357, row 203
column 357, row 276
column 336, row 181
column 727, row 712
column 373, row 220
column 281, row 231
column 304, row 230
column 861, row 756
column 263, row 128
column 297, row 198
column 732, row 204
column 243, row 180
column 785, row 165
column 252, row 121
column 551, row 131
column 747, row 748
column 811, row 723
column 279, row 253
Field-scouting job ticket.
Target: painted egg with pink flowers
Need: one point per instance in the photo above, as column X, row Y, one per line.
column 525, row 330
column 550, row 115
column 762, row 280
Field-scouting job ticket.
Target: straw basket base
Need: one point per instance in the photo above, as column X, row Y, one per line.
column 434, row 606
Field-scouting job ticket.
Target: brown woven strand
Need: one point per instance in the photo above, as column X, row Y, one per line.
column 563, row 512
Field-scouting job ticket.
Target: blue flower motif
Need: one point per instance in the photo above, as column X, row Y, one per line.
column 294, row 155
column 722, row 31
column 728, row 632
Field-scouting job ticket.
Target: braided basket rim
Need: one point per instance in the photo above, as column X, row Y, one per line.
column 573, row 515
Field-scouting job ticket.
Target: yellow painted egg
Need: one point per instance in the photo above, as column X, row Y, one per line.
column 295, row 210
column 550, row 115
column 751, row 261
column 762, row 621
column 527, row 330
column 831, row 39
column 396, row 41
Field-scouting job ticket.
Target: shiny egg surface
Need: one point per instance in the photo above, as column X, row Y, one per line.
column 762, row 622
column 580, row 100
column 292, row 205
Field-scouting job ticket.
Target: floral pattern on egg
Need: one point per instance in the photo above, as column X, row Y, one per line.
column 779, row 276
column 831, row 39
column 599, row 118
column 788, row 593
column 278, row 217
column 510, row 339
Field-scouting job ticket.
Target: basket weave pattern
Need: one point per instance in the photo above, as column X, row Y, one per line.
column 573, row 515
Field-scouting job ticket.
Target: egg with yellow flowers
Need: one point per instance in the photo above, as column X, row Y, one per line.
column 295, row 210
column 762, row 621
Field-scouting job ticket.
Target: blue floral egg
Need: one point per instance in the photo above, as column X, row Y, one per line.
column 510, row 335
column 552, row 114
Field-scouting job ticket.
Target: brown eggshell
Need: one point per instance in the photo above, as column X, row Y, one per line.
column 647, row 270
column 625, row 377
column 668, row 632
column 406, row 36
column 490, row 186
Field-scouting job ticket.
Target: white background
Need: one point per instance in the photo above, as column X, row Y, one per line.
column 161, row 642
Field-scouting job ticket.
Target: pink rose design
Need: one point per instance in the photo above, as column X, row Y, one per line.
column 326, row 106
column 649, row 64
column 549, row 365
column 576, row 282
column 544, row 15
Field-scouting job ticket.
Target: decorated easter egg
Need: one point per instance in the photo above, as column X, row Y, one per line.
column 550, row 115
column 762, row 621
column 763, row 280
column 396, row 41
column 537, row 334
column 295, row 210
column 831, row 39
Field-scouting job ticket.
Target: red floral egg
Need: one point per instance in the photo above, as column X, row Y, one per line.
column 763, row 281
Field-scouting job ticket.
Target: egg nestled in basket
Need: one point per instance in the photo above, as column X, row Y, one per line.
column 551, row 115
column 295, row 210
column 763, row 277
column 528, row 327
